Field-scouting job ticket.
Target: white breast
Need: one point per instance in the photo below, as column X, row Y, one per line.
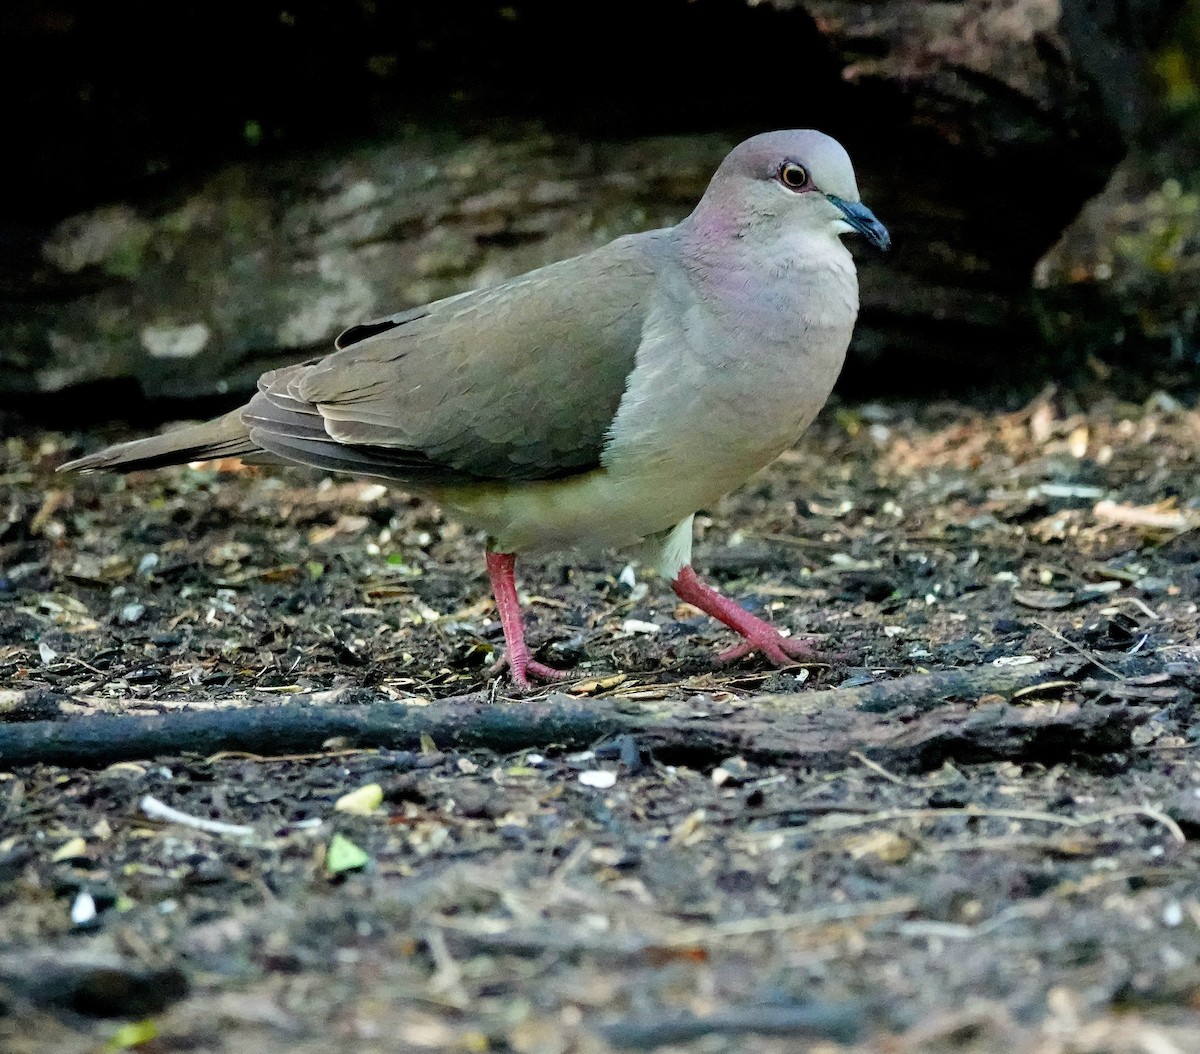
column 714, row 396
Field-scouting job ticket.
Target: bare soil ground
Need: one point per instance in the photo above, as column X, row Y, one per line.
column 999, row 855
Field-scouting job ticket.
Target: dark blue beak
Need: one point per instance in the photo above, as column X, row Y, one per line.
column 863, row 220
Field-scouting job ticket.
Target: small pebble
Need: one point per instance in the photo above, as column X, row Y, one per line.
column 83, row 910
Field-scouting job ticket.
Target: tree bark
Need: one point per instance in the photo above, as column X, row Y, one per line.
column 193, row 257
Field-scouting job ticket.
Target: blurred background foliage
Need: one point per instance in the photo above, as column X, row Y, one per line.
column 1121, row 290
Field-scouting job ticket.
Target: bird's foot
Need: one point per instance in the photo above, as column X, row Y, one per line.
column 759, row 636
column 772, row 646
column 516, row 656
column 526, row 670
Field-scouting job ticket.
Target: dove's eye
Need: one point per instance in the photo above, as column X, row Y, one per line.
column 794, row 176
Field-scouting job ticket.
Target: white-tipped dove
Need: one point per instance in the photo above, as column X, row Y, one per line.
column 599, row 401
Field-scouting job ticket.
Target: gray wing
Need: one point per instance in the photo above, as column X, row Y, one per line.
column 520, row 381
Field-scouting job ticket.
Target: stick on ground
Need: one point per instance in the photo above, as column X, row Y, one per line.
column 819, row 730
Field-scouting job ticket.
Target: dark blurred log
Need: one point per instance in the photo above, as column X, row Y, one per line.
column 222, row 220
column 817, row 730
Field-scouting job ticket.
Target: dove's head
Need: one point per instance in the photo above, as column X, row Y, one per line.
column 790, row 183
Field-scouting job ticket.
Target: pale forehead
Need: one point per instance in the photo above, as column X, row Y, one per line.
column 821, row 154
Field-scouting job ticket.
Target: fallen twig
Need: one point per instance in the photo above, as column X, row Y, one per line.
column 817, row 730
column 803, row 920
column 925, row 690
column 496, row 935
column 843, row 822
column 1083, row 652
column 843, row 1022
column 158, row 810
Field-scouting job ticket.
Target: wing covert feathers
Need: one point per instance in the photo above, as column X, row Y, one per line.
column 516, row 382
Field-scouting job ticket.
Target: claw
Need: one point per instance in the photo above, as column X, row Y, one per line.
column 516, row 656
column 530, row 670
column 774, row 647
column 759, row 636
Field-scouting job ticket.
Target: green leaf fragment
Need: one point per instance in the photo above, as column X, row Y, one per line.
column 343, row 855
column 131, row 1035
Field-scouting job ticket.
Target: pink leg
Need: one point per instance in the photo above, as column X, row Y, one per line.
column 504, row 585
column 760, row 636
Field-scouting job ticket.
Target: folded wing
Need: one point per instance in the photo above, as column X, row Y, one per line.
column 517, row 382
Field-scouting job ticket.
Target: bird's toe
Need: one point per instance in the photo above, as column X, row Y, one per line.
column 525, row 672
column 773, row 646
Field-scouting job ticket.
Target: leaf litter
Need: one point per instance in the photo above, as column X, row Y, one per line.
column 640, row 893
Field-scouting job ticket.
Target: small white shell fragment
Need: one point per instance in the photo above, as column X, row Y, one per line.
column 83, row 910
column 601, row 779
column 131, row 613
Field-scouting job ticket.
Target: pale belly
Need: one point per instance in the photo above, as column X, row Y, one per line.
column 616, row 507
column 596, row 510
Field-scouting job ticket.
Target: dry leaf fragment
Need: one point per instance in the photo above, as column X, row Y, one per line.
column 1041, row 421
column 1077, row 442
column 50, row 505
column 361, row 802
column 1043, row 688
column 886, row 846
column 599, row 684
column 70, row 850
column 1058, row 599
column 658, row 955
column 690, row 830
column 1154, row 516
column 1044, row 599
